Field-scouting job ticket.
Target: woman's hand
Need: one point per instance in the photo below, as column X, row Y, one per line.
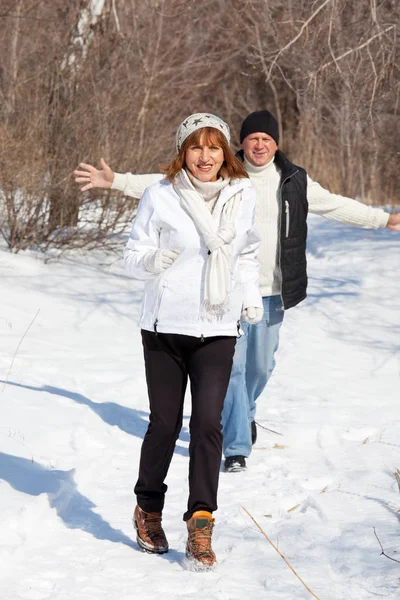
column 156, row 261
column 94, row 178
column 252, row 315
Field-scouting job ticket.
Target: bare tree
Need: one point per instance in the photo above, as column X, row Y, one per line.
column 332, row 68
column 91, row 78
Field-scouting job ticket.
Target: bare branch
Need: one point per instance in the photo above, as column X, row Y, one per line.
column 292, row 41
column 352, row 50
column 118, row 26
column 383, row 552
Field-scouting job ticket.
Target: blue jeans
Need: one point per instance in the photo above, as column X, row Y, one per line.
column 252, row 366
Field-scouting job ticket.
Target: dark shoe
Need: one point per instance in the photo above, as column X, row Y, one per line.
column 233, row 464
column 198, row 547
column 150, row 534
column 253, row 432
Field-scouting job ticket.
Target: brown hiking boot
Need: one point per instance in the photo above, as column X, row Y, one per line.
column 150, row 534
column 198, row 547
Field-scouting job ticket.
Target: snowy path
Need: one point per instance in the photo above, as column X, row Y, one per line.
column 75, row 409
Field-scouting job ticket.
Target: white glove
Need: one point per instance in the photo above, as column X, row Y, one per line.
column 252, row 315
column 156, row 261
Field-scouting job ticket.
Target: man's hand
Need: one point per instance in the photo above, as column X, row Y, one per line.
column 94, row 178
column 394, row 222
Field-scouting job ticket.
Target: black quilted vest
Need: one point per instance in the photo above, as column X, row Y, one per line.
column 292, row 230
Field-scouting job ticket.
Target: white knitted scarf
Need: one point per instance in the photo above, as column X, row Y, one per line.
column 218, row 239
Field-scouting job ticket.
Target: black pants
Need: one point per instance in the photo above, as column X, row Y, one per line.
column 170, row 359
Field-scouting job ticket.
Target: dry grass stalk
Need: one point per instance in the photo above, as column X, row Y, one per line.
column 397, row 475
column 280, row 554
column 15, row 353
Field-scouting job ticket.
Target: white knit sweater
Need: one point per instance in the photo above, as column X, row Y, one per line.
column 209, row 190
column 266, row 181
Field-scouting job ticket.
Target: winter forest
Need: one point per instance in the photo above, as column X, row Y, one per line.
column 85, row 79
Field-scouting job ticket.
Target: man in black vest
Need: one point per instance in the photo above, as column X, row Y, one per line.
column 285, row 194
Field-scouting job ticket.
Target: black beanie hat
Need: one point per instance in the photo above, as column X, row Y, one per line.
column 261, row 120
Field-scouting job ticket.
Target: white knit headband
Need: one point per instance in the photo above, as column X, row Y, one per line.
column 198, row 121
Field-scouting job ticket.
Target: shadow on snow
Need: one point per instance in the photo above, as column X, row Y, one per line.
column 129, row 420
column 74, row 509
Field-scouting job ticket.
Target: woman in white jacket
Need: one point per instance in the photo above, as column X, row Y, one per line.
column 193, row 243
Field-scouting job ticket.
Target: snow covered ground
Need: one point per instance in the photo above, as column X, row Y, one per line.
column 74, row 411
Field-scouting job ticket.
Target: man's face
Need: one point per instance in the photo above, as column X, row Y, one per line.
column 259, row 148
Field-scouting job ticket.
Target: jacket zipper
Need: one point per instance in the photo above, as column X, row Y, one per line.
column 164, row 285
column 279, row 230
column 287, row 217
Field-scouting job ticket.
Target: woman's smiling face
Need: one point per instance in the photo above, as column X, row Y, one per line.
column 204, row 159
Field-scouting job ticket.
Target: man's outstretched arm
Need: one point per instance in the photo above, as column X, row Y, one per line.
column 105, row 178
column 347, row 210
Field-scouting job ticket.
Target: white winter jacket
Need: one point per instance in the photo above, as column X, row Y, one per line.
column 265, row 181
column 173, row 299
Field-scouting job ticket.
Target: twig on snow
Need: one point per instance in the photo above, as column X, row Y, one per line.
column 267, row 428
column 383, row 552
column 15, row 353
column 280, row 553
